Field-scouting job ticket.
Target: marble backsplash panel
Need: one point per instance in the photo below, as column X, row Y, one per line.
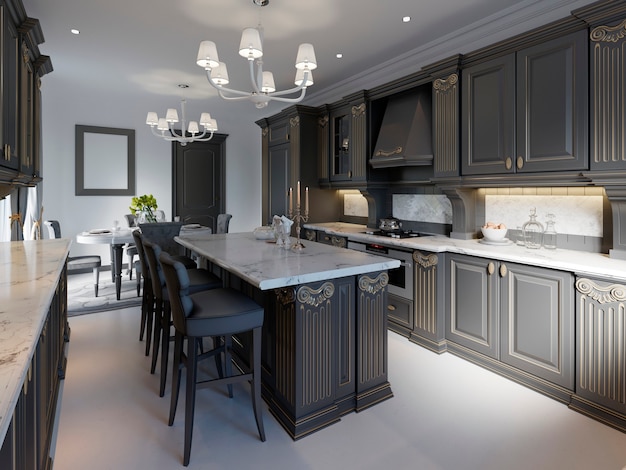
column 355, row 205
column 434, row 208
column 577, row 215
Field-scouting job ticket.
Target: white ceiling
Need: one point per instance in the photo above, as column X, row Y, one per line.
column 147, row 47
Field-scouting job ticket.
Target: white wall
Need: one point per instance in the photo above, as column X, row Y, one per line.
column 64, row 107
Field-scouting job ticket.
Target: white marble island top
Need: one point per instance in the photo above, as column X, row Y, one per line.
column 268, row 266
column 578, row 262
column 30, row 273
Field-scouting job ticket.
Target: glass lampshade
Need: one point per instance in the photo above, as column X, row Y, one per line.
column 306, row 57
column 268, row 85
column 171, row 115
column 300, row 77
column 207, row 55
column 152, row 119
column 250, row 46
column 219, row 74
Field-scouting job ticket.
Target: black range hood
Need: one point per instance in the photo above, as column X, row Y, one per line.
column 405, row 136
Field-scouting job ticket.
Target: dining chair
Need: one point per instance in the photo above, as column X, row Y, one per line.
column 223, row 221
column 222, row 313
column 77, row 263
column 130, row 248
column 200, row 279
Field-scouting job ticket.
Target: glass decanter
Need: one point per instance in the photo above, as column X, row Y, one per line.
column 533, row 231
column 549, row 236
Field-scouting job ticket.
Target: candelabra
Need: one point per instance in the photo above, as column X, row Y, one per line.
column 298, row 216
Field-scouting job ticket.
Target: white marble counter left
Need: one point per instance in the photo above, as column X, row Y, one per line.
column 29, row 274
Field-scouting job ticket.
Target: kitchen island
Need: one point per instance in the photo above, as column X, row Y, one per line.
column 324, row 334
column 33, row 315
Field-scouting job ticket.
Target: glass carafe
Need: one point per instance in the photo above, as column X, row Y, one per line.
column 533, row 231
column 549, row 236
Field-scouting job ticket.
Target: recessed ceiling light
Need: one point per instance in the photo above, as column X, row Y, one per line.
column 74, row 31
column 406, row 19
column 339, row 55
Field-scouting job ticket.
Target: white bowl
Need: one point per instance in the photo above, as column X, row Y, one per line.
column 494, row 234
column 264, row 232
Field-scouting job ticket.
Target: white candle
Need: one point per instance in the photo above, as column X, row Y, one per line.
column 290, row 201
column 306, row 201
column 298, row 197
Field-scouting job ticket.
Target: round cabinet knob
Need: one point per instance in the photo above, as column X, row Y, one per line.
column 508, row 163
column 491, row 268
column 520, row 163
column 391, row 307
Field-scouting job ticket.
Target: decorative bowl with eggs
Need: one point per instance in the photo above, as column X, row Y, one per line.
column 494, row 232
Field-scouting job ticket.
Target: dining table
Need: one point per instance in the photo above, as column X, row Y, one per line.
column 116, row 239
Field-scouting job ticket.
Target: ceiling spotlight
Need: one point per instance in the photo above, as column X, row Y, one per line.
column 339, row 55
column 406, row 19
column 74, row 31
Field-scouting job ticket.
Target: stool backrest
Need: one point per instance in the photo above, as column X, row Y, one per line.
column 145, row 269
column 177, row 282
column 163, row 233
column 152, row 251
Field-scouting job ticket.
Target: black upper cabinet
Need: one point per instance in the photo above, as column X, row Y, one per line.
column 527, row 111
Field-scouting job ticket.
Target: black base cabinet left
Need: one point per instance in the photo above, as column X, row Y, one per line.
column 28, row 439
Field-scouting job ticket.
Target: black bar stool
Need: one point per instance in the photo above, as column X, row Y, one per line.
column 215, row 313
column 200, row 279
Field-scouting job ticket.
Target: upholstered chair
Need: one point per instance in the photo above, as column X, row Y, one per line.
column 77, row 263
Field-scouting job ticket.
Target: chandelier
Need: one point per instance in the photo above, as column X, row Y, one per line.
column 164, row 127
column 263, row 87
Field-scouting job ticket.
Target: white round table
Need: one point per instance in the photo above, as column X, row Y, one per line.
column 116, row 239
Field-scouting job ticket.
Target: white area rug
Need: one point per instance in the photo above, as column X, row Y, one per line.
column 80, row 295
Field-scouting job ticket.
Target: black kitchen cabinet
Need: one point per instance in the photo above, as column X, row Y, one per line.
column 600, row 352
column 289, row 155
column 428, row 323
column 518, row 318
column 608, row 100
column 526, row 112
column 345, row 144
column 333, row 240
column 21, row 69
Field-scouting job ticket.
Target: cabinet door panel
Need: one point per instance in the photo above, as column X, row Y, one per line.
column 537, row 322
column 552, row 105
column 279, row 167
column 488, row 107
column 472, row 320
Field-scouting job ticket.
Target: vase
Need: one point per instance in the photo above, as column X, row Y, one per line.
column 145, row 217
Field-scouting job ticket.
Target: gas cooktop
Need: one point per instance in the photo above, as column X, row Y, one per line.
column 393, row 233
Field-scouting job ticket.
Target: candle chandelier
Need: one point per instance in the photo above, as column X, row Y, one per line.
column 263, row 87
column 164, row 127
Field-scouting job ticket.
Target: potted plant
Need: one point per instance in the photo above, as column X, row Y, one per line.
column 143, row 207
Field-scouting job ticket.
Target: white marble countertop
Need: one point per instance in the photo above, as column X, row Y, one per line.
column 578, row 262
column 268, row 266
column 30, row 272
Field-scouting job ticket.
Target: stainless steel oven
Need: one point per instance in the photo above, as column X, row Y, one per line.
column 401, row 278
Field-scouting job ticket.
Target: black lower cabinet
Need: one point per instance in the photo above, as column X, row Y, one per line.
column 515, row 319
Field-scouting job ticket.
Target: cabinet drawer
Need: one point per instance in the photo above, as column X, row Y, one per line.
column 400, row 311
column 333, row 240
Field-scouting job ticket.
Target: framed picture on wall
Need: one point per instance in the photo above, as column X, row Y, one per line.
column 105, row 161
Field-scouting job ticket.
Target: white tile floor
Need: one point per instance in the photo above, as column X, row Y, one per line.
column 446, row 414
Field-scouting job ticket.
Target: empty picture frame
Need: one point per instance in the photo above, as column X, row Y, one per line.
column 105, row 161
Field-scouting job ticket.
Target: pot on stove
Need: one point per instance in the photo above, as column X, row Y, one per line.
column 390, row 224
